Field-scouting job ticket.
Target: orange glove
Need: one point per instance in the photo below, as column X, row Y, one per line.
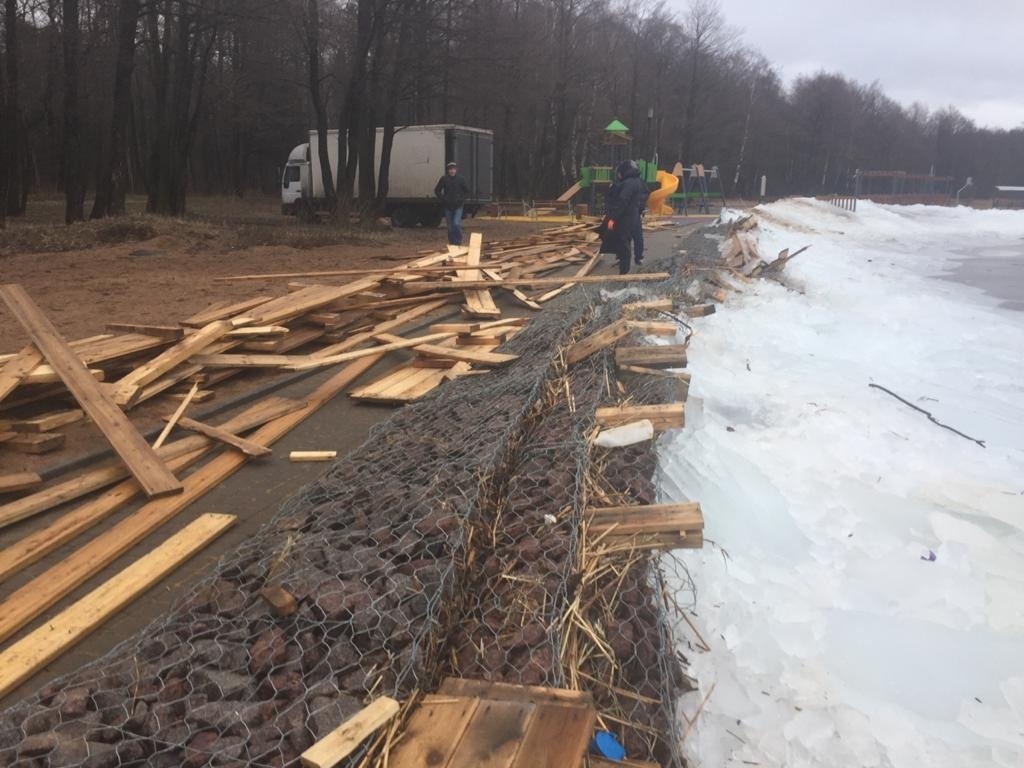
column 611, row 224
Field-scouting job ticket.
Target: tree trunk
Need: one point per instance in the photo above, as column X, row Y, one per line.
column 16, row 185
column 74, row 189
column 112, row 174
column 319, row 108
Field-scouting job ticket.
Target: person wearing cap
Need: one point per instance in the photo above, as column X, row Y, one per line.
column 621, row 221
column 452, row 190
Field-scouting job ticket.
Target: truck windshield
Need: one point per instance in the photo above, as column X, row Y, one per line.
column 291, row 173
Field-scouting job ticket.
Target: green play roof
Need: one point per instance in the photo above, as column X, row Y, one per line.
column 616, row 127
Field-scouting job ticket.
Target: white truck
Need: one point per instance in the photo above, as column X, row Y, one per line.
column 419, row 156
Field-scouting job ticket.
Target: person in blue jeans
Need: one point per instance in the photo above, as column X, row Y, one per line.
column 452, row 190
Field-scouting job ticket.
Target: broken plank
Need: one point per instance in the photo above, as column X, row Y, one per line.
column 173, row 420
column 312, row 455
column 222, row 310
column 557, row 737
column 662, row 417
column 649, row 518
column 59, row 633
column 34, row 597
column 660, row 356
column 49, row 422
column 287, row 343
column 281, row 601
column 489, row 359
column 343, row 740
column 14, row 370
column 315, row 361
column 19, row 481
column 700, row 310
column 596, row 341
column 664, row 305
column 654, row 327
column 248, row 447
column 462, row 328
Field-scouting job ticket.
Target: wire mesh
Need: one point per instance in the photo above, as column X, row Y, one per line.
column 450, row 543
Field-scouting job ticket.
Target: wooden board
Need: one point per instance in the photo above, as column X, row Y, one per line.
column 660, row 356
column 27, row 602
column 558, row 736
column 489, row 359
column 19, row 481
column 339, row 743
column 222, row 310
column 14, row 370
column 596, row 341
column 458, row 686
column 700, row 310
column 312, row 455
column 165, row 332
column 126, row 389
column 29, row 654
column 248, row 447
column 35, row 443
column 49, row 422
column 493, row 735
column 479, row 302
column 654, row 327
column 647, row 277
column 144, row 464
column 662, row 417
column 433, row 732
column 651, row 518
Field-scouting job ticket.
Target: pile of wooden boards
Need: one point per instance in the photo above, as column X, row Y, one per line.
column 740, row 253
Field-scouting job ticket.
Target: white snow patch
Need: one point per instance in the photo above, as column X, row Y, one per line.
column 835, row 639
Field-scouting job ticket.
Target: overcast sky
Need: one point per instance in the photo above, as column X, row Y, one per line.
column 968, row 53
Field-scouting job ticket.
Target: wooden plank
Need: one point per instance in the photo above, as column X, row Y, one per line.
column 125, row 390
column 27, row 602
column 647, row 277
column 101, row 477
column 597, row 341
column 316, row 362
column 44, row 374
column 462, row 328
column 657, row 356
column 312, row 455
column 654, row 327
column 653, row 518
column 287, row 343
column 173, row 420
column 483, row 689
column 343, row 740
column 583, row 271
column 201, row 396
column 494, row 735
column 49, row 422
column 557, row 737
column 700, row 310
column 35, row 443
column 662, row 417
column 434, row 731
column 681, row 375
column 453, row 353
column 59, row 633
column 478, row 302
column 144, row 464
column 165, row 332
column 665, row 305
column 222, row 310
column 248, row 447
column 19, row 481
column 14, row 370
column 281, row 601
column 388, row 325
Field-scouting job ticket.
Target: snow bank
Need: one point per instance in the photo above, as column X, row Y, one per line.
column 862, row 588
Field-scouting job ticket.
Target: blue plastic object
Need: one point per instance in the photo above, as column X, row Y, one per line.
column 606, row 745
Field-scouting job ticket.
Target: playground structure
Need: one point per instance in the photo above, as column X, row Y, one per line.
column 673, row 193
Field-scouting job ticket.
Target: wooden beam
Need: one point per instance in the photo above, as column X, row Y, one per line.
column 17, row 368
column 144, row 464
column 343, row 740
column 27, row 602
column 316, row 362
column 646, row 518
column 489, row 359
column 175, row 416
column 654, row 327
column 248, row 447
column 662, row 417
column 19, row 481
column 659, row 356
column 700, row 310
column 59, row 633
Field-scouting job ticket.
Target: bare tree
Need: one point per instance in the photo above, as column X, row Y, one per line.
column 74, row 186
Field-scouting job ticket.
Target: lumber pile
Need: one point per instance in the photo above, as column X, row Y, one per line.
column 740, row 252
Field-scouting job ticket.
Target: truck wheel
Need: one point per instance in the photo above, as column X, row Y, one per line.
column 403, row 216
column 431, row 219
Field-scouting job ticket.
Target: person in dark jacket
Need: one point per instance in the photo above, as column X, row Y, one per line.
column 638, row 234
column 622, row 213
column 452, row 190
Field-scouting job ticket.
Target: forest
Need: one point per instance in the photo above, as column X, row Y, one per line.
column 169, row 98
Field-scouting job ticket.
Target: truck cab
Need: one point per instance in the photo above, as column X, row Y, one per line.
column 291, row 178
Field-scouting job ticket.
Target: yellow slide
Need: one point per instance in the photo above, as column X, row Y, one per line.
column 667, row 184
